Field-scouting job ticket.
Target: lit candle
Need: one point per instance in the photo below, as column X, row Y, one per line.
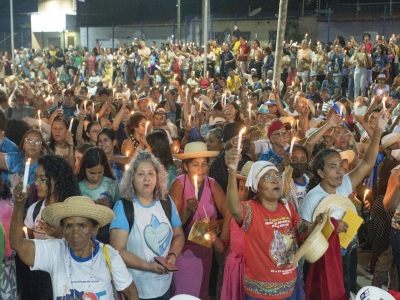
column 309, row 43
column 301, row 86
column 77, row 107
column 305, row 37
column 377, row 36
column 97, row 116
column 365, row 195
column 147, row 126
column 297, row 124
column 26, row 175
column 317, row 106
column 40, row 125
column 291, row 146
column 70, row 124
column 240, row 140
column 207, row 236
column 38, row 114
column 383, row 103
column 250, row 111
column 84, row 105
column 126, row 167
column 127, row 153
column 196, row 187
column 26, row 232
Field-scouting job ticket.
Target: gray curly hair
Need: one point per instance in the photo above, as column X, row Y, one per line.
column 127, row 189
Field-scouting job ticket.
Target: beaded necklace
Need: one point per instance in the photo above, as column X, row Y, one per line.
column 70, row 275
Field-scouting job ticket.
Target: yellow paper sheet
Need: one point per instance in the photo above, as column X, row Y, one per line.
column 354, row 222
column 328, row 227
column 197, row 232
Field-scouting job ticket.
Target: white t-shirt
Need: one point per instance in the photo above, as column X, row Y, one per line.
column 301, row 190
column 34, row 225
column 315, row 196
column 144, row 62
column 211, row 56
column 55, row 257
column 151, row 236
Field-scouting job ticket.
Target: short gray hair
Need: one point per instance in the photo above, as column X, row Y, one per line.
column 126, row 186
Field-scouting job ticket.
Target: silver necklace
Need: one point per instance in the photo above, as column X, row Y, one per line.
column 70, row 275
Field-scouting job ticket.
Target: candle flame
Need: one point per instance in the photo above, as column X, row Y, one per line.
column 126, row 167
column 207, row 236
column 243, row 130
column 366, row 191
column 29, row 160
column 195, row 178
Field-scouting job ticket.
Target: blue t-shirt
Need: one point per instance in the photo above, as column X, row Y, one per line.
column 315, row 196
column 118, row 169
column 7, row 146
column 107, row 189
column 15, row 162
column 271, row 156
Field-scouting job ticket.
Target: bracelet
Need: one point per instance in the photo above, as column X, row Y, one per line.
column 172, row 253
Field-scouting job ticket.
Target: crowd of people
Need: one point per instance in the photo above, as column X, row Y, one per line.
column 141, row 172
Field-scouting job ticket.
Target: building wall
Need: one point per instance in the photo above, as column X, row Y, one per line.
column 56, row 5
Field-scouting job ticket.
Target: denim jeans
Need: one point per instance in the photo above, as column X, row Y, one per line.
column 395, row 243
column 360, row 82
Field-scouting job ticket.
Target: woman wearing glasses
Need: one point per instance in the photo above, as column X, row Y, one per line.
column 275, row 251
column 12, row 164
column 52, row 186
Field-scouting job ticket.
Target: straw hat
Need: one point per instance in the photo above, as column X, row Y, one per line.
column 389, row 140
column 217, row 121
column 196, row 150
column 347, row 154
column 206, row 104
column 310, row 105
column 263, row 109
column 288, row 120
column 338, row 204
column 314, row 246
column 77, row 206
column 245, row 170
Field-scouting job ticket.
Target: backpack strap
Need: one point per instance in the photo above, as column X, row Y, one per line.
column 167, row 207
column 129, row 212
column 36, row 210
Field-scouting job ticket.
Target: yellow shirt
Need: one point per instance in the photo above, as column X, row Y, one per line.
column 236, row 48
column 217, row 52
column 233, row 83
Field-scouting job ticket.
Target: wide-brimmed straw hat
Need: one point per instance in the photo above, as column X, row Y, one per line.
column 77, row 206
column 196, row 150
column 389, row 140
column 245, row 170
column 310, row 105
column 350, row 155
column 337, row 204
column 314, row 246
column 204, row 100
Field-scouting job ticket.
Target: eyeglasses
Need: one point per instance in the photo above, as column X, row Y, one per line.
column 277, row 176
column 340, row 134
column 280, row 134
column 94, row 131
column 33, row 142
column 40, row 179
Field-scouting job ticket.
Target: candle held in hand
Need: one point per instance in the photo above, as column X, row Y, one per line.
column 196, row 187
column 250, row 111
column 25, row 229
column 26, row 175
column 365, row 195
column 291, row 146
column 240, row 140
column 70, row 124
column 147, row 126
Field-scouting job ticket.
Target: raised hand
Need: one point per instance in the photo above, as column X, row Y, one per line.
column 232, row 159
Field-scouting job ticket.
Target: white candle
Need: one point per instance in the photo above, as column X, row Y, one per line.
column 240, row 140
column 377, row 36
column 249, row 111
column 127, row 153
column 84, row 105
column 40, row 125
column 39, row 114
column 297, row 125
column 70, row 124
column 26, row 175
column 77, row 107
column 306, row 36
column 317, row 106
column 201, row 105
column 97, row 116
column 365, row 195
column 196, row 187
column 147, row 126
column 383, row 103
column 126, row 167
column 26, row 232
column 291, row 146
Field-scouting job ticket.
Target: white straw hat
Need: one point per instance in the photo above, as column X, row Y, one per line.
column 196, row 150
column 245, row 170
column 77, row 206
column 338, row 205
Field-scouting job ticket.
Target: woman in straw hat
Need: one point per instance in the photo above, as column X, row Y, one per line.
column 80, row 267
column 151, row 227
column 195, row 261
column 278, row 224
column 329, row 178
column 380, row 223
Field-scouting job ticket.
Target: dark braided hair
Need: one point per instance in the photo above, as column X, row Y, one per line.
column 56, row 168
column 319, row 164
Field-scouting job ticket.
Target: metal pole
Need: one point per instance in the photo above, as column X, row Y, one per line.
column 205, row 33
column 302, row 9
column 64, row 39
column 12, row 33
column 211, row 27
column 235, row 19
column 329, row 24
column 178, row 23
column 141, row 30
column 390, row 9
column 186, row 29
column 112, row 38
column 42, row 40
column 173, row 34
column 87, row 37
column 22, row 37
column 384, row 21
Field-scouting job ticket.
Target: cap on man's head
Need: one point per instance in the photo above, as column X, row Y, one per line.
column 142, row 97
column 253, row 70
column 312, row 73
column 231, row 130
column 274, row 126
column 270, row 72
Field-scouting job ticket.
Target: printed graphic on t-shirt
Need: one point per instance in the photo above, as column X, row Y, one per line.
column 74, row 294
column 157, row 236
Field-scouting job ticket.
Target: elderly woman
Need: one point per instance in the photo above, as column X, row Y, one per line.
column 329, row 178
column 80, row 267
column 275, row 251
column 32, row 146
column 195, row 261
column 146, row 226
